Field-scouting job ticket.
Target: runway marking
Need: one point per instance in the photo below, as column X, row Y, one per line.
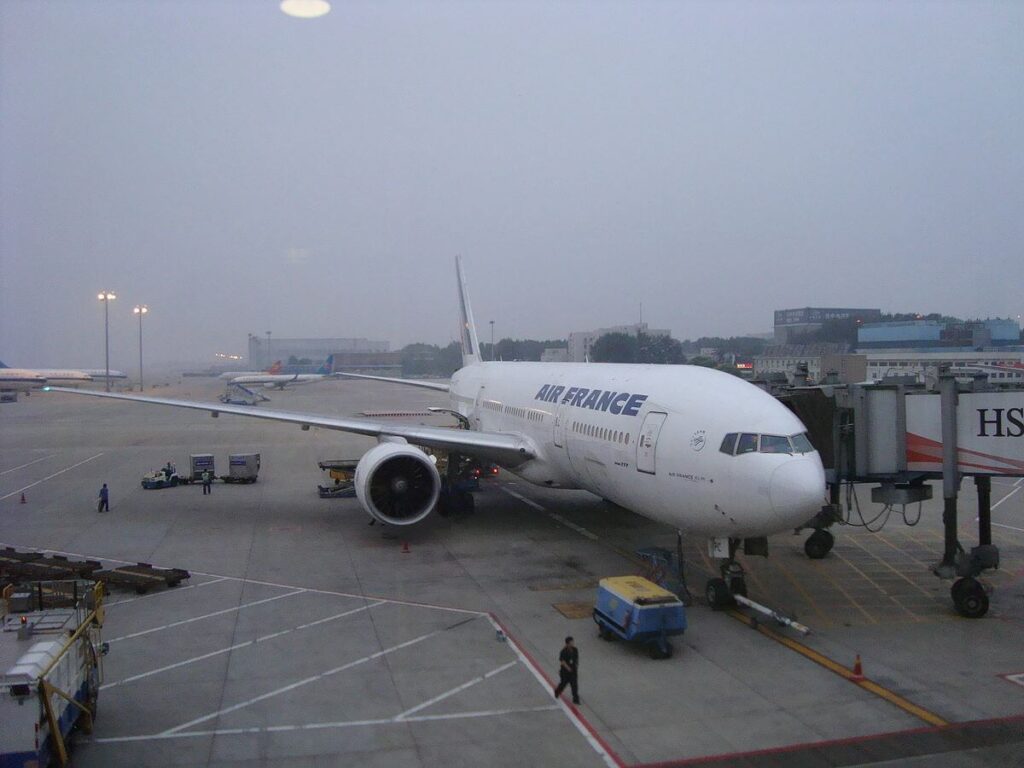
column 322, row 726
column 1017, row 678
column 174, row 591
column 208, row 615
column 799, row 588
column 236, row 646
column 553, row 515
column 1010, row 527
column 49, row 477
column 849, row 597
column 833, row 666
column 312, row 590
column 458, row 689
column 308, row 680
column 1016, row 487
column 903, row 576
column 29, row 464
column 588, row 732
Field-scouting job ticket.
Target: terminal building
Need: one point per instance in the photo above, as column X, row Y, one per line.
column 822, row 360
column 791, row 324
column 264, row 351
column 580, row 342
column 939, row 334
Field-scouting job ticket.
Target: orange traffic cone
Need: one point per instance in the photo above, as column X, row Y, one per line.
column 858, row 670
column 405, row 547
column 23, row 497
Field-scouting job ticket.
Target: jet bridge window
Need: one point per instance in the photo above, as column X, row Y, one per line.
column 747, row 444
column 729, row 443
column 775, row 444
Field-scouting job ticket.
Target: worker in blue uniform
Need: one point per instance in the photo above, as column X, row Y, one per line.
column 568, row 670
column 104, row 500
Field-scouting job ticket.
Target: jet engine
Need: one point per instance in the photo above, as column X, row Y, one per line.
column 397, row 483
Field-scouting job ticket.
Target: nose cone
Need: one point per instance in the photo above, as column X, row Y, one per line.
column 797, row 489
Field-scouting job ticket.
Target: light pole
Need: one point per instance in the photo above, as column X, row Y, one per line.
column 140, row 310
column 492, row 340
column 106, row 297
column 269, row 362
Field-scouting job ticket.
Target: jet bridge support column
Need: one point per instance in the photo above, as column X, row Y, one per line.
column 984, row 486
column 950, row 474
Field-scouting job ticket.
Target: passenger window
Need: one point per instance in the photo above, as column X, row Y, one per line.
column 729, row 443
column 775, row 444
column 801, row 444
column 747, row 444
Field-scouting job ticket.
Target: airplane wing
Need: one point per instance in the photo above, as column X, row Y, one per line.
column 408, row 382
column 503, row 448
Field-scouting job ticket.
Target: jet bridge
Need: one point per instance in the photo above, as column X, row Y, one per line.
column 898, row 435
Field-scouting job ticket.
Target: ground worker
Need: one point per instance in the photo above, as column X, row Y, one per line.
column 568, row 670
column 207, row 481
column 104, row 500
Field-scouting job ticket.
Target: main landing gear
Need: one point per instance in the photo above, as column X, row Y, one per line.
column 721, row 593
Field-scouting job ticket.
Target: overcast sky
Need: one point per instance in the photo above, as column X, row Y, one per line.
column 239, row 170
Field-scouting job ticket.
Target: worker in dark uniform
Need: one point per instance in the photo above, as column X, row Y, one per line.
column 207, row 480
column 568, row 670
column 104, row 500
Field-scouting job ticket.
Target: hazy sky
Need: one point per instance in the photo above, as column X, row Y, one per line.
column 239, row 170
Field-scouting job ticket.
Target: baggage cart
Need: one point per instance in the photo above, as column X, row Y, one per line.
column 634, row 609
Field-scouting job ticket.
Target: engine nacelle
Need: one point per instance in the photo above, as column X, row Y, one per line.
column 397, row 483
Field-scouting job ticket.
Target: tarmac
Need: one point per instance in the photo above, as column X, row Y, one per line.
column 307, row 637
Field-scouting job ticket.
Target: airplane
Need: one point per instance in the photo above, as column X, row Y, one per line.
column 274, row 380
column 33, row 378
column 273, row 369
column 697, row 449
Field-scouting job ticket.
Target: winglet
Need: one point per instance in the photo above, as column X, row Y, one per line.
column 467, row 328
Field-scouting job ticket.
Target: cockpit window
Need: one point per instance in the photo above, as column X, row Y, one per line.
column 801, row 443
column 729, row 443
column 747, row 444
column 775, row 444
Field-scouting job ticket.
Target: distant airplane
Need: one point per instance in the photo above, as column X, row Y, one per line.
column 694, row 448
column 229, row 375
column 33, row 378
column 274, row 380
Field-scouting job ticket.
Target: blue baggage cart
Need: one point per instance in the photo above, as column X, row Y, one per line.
column 635, row 609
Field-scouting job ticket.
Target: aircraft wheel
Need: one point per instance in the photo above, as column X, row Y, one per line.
column 819, row 544
column 969, row 598
column 717, row 593
column 659, row 651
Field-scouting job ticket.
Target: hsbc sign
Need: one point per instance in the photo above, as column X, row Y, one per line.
column 990, row 433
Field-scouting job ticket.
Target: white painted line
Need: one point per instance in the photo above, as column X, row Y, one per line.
column 29, row 464
column 313, row 590
column 321, row 726
column 49, row 477
column 174, row 591
column 236, row 646
column 1017, row 678
column 207, row 615
column 1016, row 487
column 1010, row 527
column 574, row 718
column 300, row 683
column 553, row 515
column 453, row 691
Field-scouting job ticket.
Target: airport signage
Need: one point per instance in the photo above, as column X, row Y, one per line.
column 990, row 433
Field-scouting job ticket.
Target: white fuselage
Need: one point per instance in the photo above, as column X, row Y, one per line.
column 648, row 438
column 278, row 380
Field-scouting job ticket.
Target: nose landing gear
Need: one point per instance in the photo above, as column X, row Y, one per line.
column 721, row 592
column 819, row 544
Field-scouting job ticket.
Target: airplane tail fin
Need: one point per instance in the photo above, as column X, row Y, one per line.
column 470, row 344
column 328, row 367
column 3, row 364
column 275, row 368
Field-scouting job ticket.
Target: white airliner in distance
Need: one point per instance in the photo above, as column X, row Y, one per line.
column 697, row 449
column 229, row 375
column 34, row 378
column 275, row 380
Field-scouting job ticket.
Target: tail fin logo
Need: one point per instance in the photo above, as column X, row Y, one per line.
column 275, row 368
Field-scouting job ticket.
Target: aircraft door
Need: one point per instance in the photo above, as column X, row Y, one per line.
column 476, row 420
column 559, row 428
column 647, row 443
